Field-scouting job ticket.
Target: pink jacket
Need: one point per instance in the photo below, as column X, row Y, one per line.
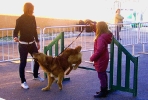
column 101, row 54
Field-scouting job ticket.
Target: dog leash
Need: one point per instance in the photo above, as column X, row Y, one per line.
column 75, row 39
column 72, row 42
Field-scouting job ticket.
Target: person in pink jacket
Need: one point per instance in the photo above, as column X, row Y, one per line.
column 100, row 56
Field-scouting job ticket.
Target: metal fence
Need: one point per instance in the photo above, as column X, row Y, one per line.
column 70, row 34
column 131, row 34
column 9, row 48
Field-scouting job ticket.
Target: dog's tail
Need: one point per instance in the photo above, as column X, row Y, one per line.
column 78, row 48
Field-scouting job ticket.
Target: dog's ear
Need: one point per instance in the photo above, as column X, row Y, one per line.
column 35, row 59
column 78, row 48
column 67, row 51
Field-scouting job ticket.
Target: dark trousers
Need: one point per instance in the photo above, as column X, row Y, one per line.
column 117, row 30
column 103, row 79
column 24, row 49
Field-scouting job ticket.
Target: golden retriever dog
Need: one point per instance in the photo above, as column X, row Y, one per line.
column 55, row 67
column 74, row 57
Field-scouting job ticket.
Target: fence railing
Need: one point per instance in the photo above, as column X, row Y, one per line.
column 70, row 32
column 49, row 50
column 9, row 48
column 123, row 69
column 53, row 48
column 131, row 34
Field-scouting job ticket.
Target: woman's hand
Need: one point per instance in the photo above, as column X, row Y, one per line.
column 38, row 45
column 15, row 39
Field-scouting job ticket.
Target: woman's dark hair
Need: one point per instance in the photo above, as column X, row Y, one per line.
column 27, row 6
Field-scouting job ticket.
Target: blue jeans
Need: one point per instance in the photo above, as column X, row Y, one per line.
column 24, row 49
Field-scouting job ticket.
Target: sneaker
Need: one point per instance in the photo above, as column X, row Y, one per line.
column 39, row 78
column 24, row 85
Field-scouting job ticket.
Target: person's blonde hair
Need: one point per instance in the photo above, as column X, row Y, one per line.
column 101, row 28
column 27, row 7
column 117, row 10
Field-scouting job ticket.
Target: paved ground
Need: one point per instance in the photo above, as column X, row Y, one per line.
column 82, row 85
